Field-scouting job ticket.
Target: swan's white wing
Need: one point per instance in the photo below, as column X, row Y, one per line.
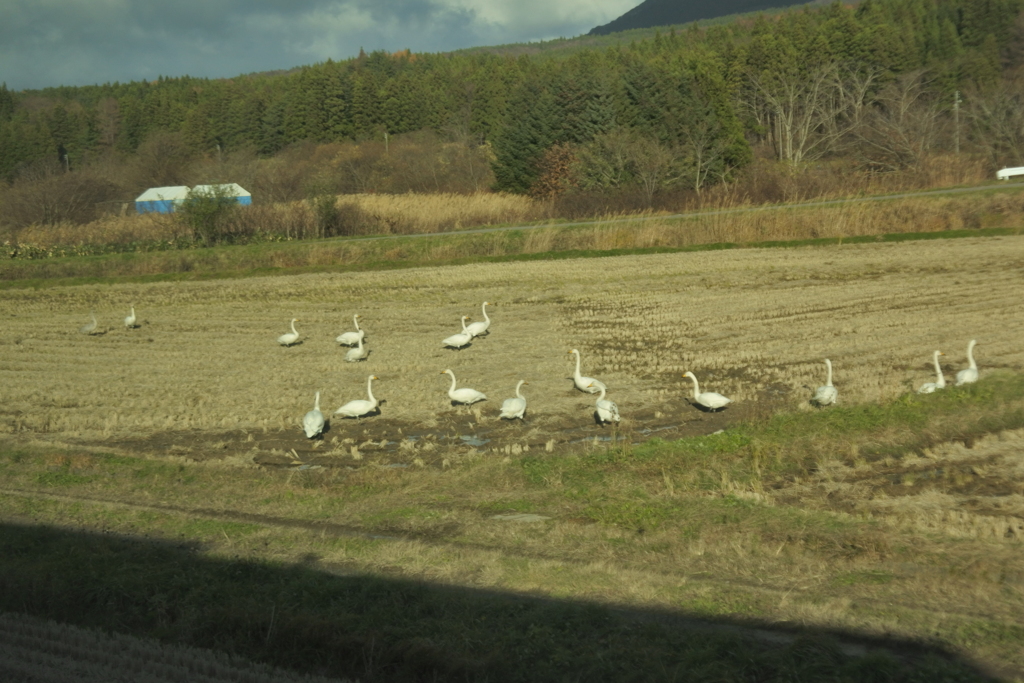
column 458, row 340
column 710, row 399
column 354, row 355
column 513, row 407
column 467, row 395
column 313, row 423
column 355, row 408
column 928, row 388
column 966, row 376
column 824, row 396
column 590, row 385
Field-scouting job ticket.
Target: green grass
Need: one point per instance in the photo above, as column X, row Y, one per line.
column 375, row 628
column 639, row 508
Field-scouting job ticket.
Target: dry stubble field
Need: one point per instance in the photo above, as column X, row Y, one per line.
column 203, row 379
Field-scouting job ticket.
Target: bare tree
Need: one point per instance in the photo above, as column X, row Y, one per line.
column 705, row 147
column 902, row 125
column 807, row 115
column 998, row 122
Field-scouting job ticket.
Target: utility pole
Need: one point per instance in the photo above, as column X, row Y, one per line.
column 956, row 118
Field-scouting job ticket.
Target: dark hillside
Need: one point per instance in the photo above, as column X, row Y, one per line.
column 668, row 12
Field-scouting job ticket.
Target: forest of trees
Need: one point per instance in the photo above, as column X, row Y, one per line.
column 875, row 84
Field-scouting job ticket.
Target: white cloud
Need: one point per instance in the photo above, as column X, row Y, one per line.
column 78, row 42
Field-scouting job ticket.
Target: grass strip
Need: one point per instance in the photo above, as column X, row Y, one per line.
column 384, row 629
column 245, row 261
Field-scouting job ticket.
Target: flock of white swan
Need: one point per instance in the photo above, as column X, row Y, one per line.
column 515, row 408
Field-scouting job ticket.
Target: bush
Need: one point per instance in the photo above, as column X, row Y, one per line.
column 208, row 213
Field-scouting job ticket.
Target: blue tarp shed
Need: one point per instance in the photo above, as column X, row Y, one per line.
column 161, row 199
column 233, row 190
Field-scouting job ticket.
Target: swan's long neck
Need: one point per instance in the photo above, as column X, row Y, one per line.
column 360, row 342
column 294, row 331
column 601, row 397
column 518, row 387
column 828, row 381
column 939, row 379
column 696, row 387
column 577, row 354
column 452, row 390
column 355, row 320
column 970, row 356
column 133, row 311
column 316, row 402
column 369, row 389
column 463, row 323
column 484, row 309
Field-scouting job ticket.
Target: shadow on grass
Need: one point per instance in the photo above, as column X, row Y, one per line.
column 308, row 619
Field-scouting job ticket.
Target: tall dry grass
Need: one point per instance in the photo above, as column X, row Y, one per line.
column 362, row 214
column 730, row 225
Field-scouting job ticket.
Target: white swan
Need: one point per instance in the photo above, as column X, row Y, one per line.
column 511, row 408
column 827, row 394
column 89, row 328
column 969, row 375
column 457, row 341
column 357, row 354
column 313, row 421
column 360, row 406
column 351, row 338
column 129, row 321
column 940, row 380
column 464, row 395
column 587, row 384
column 607, row 411
column 477, row 329
column 708, row 399
column 289, row 338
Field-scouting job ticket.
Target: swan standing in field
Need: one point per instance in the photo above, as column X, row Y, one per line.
column 478, row 328
column 826, row 395
column 289, row 338
column 511, row 408
column 940, row 380
column 360, row 406
column 129, row 321
column 708, row 399
column 357, row 354
column 969, row 375
column 587, row 384
column 464, row 395
column 457, row 341
column 607, row 411
column 313, row 421
column 89, row 328
column 351, row 338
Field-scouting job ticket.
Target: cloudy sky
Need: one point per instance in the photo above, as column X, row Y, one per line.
column 78, row 42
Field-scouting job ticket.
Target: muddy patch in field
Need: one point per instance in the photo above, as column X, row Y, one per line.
column 381, row 440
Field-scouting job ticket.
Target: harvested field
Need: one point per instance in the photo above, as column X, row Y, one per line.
column 908, row 527
column 203, row 377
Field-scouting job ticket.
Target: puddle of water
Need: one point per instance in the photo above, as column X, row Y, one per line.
column 474, row 440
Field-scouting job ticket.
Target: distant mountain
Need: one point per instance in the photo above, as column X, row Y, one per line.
column 651, row 13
